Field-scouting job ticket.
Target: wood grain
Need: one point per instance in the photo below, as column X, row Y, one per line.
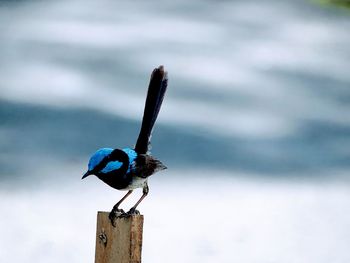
column 120, row 244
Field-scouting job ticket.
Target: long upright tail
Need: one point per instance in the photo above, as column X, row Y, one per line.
column 156, row 91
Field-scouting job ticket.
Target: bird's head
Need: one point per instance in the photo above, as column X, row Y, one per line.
column 96, row 159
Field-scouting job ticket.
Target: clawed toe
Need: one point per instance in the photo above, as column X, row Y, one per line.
column 116, row 213
column 112, row 217
column 119, row 213
column 133, row 211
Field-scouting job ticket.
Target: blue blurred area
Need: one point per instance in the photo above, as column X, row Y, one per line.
column 257, row 88
column 36, row 135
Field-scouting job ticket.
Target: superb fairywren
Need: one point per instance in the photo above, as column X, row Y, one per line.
column 128, row 169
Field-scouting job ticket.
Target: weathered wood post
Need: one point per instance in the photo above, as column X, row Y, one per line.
column 119, row 244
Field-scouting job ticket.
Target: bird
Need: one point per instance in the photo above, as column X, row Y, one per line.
column 129, row 168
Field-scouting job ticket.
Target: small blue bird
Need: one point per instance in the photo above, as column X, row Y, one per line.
column 128, row 169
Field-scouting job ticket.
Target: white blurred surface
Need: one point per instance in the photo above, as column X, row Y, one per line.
column 205, row 219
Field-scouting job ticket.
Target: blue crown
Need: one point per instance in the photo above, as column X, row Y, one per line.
column 98, row 156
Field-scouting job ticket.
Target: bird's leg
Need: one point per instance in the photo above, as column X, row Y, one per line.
column 116, row 206
column 133, row 210
column 116, row 212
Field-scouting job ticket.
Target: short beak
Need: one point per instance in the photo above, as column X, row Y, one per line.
column 86, row 174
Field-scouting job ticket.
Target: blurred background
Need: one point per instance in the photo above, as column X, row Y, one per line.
column 255, row 127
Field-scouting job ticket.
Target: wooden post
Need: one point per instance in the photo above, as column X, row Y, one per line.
column 119, row 244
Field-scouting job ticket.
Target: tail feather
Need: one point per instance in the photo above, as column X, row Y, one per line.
column 155, row 95
column 164, row 85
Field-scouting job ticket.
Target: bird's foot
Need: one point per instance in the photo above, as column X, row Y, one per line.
column 133, row 211
column 119, row 213
column 116, row 213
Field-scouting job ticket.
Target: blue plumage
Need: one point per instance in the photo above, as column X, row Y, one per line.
column 98, row 156
column 112, row 166
column 132, row 157
column 128, row 168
